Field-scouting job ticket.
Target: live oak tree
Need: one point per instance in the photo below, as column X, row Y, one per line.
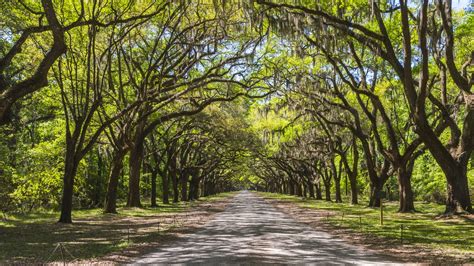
column 40, row 28
column 80, row 77
column 371, row 30
column 112, row 103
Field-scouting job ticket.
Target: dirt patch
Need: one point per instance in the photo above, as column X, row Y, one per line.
column 413, row 253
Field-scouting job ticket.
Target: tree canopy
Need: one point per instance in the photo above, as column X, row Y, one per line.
column 111, row 102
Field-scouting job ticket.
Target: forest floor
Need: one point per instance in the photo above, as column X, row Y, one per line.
column 98, row 237
column 427, row 236
column 253, row 232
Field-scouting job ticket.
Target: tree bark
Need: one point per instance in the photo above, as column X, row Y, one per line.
column 337, row 183
column 135, row 164
column 458, row 198
column 337, row 180
column 327, row 191
column 299, row 191
column 184, row 185
column 311, row 190
column 110, row 205
column 375, row 190
column 174, row 181
column 154, row 174
column 353, row 183
column 454, row 166
column 194, row 185
column 319, row 195
column 70, row 170
column 405, row 189
column 291, row 187
column 166, row 187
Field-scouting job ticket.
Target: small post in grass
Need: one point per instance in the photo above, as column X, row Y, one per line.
column 401, row 234
column 381, row 212
column 381, row 196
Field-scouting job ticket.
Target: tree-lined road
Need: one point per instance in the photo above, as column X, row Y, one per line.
column 250, row 230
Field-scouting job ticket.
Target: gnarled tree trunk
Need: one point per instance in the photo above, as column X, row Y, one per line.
column 166, row 187
column 319, row 195
column 375, row 194
column 70, row 170
column 353, row 183
column 311, row 190
column 184, row 185
column 154, row 174
column 135, row 164
column 110, row 205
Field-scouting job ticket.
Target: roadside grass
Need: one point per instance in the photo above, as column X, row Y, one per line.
column 426, row 226
column 31, row 238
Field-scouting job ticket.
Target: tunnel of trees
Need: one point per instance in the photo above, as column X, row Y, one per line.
column 144, row 103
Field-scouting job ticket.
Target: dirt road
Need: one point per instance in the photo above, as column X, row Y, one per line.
column 251, row 231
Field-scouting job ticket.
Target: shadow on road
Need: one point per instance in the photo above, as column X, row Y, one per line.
column 252, row 231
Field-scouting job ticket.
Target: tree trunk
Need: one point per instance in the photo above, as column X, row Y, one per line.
column 291, row 187
column 319, row 195
column 375, row 193
column 184, row 186
column 98, row 187
column 166, row 187
column 205, row 191
column 327, row 191
column 353, row 183
column 70, row 169
column 192, row 190
column 337, row 179
column 311, row 190
column 116, row 168
column 453, row 164
column 405, row 190
column 299, row 191
column 337, row 183
column 212, row 188
column 174, row 181
column 194, row 185
column 135, row 163
column 154, row 173
column 458, row 198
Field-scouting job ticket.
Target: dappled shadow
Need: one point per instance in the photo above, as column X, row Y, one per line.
column 386, row 239
column 91, row 237
column 252, row 231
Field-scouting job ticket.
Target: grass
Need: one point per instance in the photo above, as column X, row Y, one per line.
column 32, row 237
column 422, row 227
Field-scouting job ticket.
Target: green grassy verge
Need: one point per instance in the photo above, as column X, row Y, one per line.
column 422, row 227
column 32, row 237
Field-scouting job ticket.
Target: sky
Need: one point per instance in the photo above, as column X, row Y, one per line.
column 460, row 4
